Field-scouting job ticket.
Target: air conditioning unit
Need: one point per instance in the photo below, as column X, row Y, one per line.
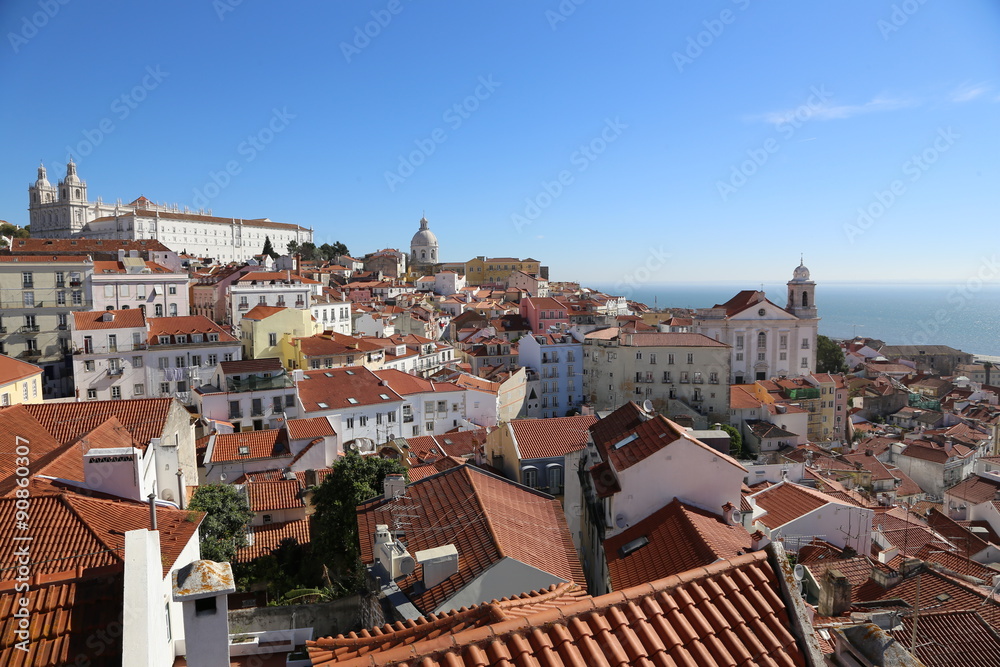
column 396, row 559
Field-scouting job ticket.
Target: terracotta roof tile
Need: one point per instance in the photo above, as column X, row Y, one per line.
column 144, row 418
column 275, row 495
column 92, row 320
column 69, row 613
column 259, row 445
column 309, row 428
column 12, row 370
column 677, row 537
column 553, row 437
column 729, row 613
column 786, row 501
column 975, row 490
column 71, row 530
column 187, row 324
column 252, row 366
column 487, row 518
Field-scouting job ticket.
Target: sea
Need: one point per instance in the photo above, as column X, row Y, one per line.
column 964, row 315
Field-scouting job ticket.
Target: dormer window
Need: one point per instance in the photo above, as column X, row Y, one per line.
column 164, row 340
column 197, row 338
column 182, row 338
column 213, row 338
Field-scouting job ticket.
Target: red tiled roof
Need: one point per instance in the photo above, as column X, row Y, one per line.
column 12, row 370
column 268, row 537
column 487, row 518
column 554, row 437
column 187, row 324
column 260, row 444
column 261, row 312
column 75, row 620
column 975, row 490
column 252, row 366
column 952, row 639
column 102, row 267
column 679, row 537
column 144, row 418
column 419, row 472
column 728, row 613
column 280, row 494
column 92, row 320
column 309, row 428
column 334, row 387
column 84, row 246
column 70, row 530
column 785, row 502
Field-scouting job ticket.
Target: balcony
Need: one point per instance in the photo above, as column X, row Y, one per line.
column 254, row 383
column 235, row 415
column 29, row 328
column 3, row 330
column 116, row 371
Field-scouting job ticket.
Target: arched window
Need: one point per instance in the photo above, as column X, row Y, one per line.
column 761, row 341
column 805, row 299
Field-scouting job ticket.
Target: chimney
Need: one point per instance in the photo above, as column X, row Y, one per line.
column 143, row 632
column 439, row 564
column 728, row 514
column 394, row 486
column 834, row 594
column 758, row 540
column 152, row 511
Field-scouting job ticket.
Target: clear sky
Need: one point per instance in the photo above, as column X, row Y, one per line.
column 651, row 141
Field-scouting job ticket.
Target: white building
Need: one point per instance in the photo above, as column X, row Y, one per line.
column 252, row 394
column 332, row 314
column 766, row 340
column 132, row 282
column 430, row 408
column 64, row 211
column 122, row 354
column 448, row 282
column 424, row 246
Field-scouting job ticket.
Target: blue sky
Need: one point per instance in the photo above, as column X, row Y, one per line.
column 643, row 141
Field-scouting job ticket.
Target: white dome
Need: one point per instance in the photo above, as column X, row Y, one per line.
column 801, row 273
column 424, row 238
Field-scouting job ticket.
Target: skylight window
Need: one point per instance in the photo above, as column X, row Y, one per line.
column 323, row 405
column 352, row 401
column 350, row 372
column 384, row 397
column 633, row 546
column 329, row 375
column 243, row 450
column 625, row 441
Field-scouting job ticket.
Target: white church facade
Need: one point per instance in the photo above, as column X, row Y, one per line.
column 64, row 211
column 765, row 339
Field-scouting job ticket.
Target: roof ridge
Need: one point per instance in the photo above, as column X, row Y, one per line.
column 64, row 498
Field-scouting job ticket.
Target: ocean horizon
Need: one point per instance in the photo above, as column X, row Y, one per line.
column 965, row 316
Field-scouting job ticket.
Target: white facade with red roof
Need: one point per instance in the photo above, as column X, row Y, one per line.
column 282, row 289
column 429, row 408
column 64, row 211
column 766, row 339
column 132, row 282
column 122, row 354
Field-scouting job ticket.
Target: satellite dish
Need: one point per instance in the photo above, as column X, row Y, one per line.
column 799, row 572
column 737, row 516
column 223, row 477
column 647, row 406
column 620, row 521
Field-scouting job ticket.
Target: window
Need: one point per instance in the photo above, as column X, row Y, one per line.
column 213, row 359
column 257, row 406
column 272, row 339
column 685, row 377
column 391, row 417
column 24, row 387
column 181, row 338
column 88, row 365
column 739, row 356
column 350, row 422
column 27, row 280
column 262, row 299
column 761, row 341
column 172, row 290
column 652, row 358
column 60, row 298
column 158, row 310
column 138, row 389
column 362, row 420
column 529, row 476
column 182, row 386
column 91, row 394
column 289, row 400
column 180, row 362
column 638, row 355
column 116, row 392
column 805, row 362
column 164, row 387
column 739, row 342
column 805, row 343
column 555, row 479
column 5, row 399
column 28, row 299
column 713, row 378
column 109, row 291
column 173, row 310
column 77, row 298
column 60, row 279
column 227, row 356
column 196, row 360
column 666, row 376
column 783, row 341
column 234, row 410
column 276, row 404
column 690, row 357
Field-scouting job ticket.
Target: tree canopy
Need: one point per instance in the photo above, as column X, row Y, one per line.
column 353, row 480
column 223, row 532
column 269, row 249
column 735, row 441
column 7, row 229
column 829, row 356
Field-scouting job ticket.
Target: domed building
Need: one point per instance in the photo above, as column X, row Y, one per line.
column 424, row 246
column 801, row 294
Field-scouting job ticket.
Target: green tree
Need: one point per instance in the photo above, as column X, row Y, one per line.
column 292, row 247
column 223, row 532
column 269, row 249
column 352, row 480
column 340, row 249
column 308, row 250
column 829, row 356
column 7, row 229
column 325, row 252
column 735, row 441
